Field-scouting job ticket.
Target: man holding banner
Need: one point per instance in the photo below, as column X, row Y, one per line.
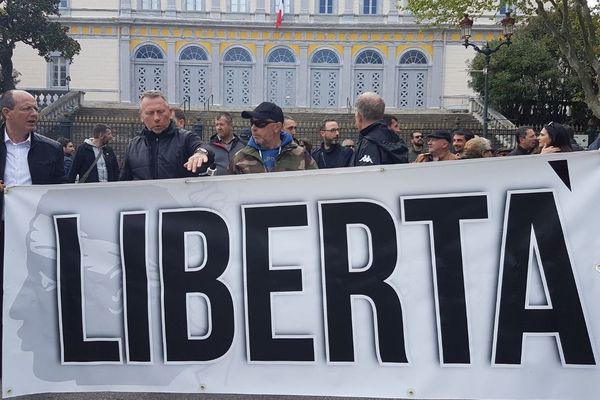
column 26, row 157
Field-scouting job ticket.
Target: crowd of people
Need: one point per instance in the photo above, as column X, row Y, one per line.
column 164, row 149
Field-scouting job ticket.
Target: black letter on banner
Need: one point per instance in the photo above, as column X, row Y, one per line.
column 341, row 282
column 135, row 286
column 444, row 215
column 538, row 212
column 179, row 282
column 75, row 346
column 261, row 281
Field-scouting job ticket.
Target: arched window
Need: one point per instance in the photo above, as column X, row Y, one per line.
column 281, row 77
column 412, row 78
column 193, row 53
column 413, row 57
column 237, row 54
column 148, row 51
column 237, row 77
column 281, row 55
column 194, row 84
column 149, row 70
column 325, row 79
column 368, row 73
column 325, row 56
column 369, row 57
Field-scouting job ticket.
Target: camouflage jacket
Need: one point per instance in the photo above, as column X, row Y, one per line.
column 291, row 158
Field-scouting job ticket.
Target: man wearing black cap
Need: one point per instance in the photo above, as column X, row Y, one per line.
column 439, row 148
column 269, row 149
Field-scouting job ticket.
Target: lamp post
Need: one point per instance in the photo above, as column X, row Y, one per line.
column 466, row 26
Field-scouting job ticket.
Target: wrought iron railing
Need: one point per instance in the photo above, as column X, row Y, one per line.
column 186, row 104
column 209, row 102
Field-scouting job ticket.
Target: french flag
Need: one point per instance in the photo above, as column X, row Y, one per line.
column 279, row 13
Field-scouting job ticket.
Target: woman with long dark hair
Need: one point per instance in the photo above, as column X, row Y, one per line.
column 554, row 138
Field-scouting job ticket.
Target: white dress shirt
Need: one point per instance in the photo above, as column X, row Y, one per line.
column 16, row 171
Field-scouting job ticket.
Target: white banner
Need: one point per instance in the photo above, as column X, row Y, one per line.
column 462, row 279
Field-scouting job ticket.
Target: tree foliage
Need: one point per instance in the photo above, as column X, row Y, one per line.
column 573, row 25
column 530, row 82
column 31, row 22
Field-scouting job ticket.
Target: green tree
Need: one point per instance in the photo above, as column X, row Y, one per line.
column 531, row 80
column 31, row 22
column 572, row 24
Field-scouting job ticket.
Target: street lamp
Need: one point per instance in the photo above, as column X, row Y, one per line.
column 466, row 25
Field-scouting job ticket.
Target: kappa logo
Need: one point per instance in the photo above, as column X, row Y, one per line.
column 366, row 158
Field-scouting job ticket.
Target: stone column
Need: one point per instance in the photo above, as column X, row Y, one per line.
column 392, row 16
column 258, row 91
column 125, row 65
column 348, row 13
column 260, row 10
column 389, row 83
column 436, row 89
column 215, row 8
column 303, row 78
column 171, row 72
column 171, row 8
column 346, row 78
column 215, row 74
column 304, row 11
column 125, row 8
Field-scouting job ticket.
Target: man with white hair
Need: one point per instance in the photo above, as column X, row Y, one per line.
column 377, row 144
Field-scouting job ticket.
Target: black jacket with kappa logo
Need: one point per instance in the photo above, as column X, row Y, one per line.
column 378, row 144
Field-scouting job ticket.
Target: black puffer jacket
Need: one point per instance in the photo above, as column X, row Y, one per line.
column 152, row 156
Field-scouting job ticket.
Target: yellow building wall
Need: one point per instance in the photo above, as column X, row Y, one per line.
column 94, row 4
column 96, row 69
column 456, row 70
column 33, row 68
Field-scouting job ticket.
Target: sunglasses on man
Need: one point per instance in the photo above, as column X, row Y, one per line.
column 260, row 123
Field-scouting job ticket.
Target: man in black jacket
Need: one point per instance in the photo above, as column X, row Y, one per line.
column 94, row 161
column 377, row 144
column 331, row 154
column 526, row 141
column 26, row 157
column 162, row 150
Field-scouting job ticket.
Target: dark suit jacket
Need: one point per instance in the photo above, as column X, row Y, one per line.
column 45, row 159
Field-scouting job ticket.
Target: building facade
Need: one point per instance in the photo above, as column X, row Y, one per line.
column 229, row 53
